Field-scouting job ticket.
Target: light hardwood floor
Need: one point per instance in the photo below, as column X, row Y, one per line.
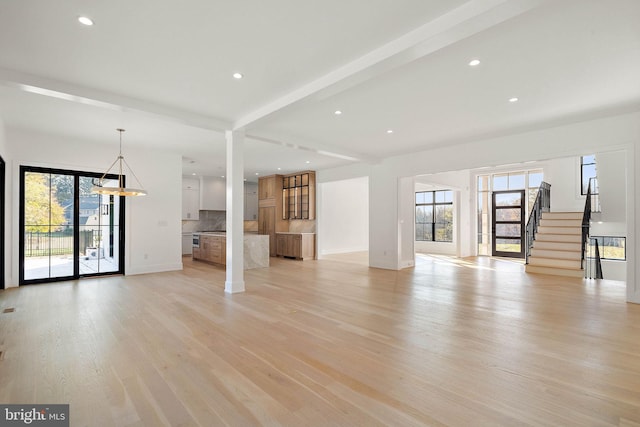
column 471, row 342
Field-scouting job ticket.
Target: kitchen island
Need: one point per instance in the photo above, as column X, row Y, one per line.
column 212, row 247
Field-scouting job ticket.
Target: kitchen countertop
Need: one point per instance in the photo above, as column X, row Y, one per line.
column 291, row 232
column 222, row 233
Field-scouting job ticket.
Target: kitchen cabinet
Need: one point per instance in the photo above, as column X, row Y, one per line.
column 270, row 209
column 208, row 193
column 250, row 201
column 187, row 243
column 213, row 194
column 299, row 196
column 296, row 245
column 190, row 199
column 212, row 249
column 268, row 186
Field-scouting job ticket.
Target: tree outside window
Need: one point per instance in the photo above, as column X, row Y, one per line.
column 434, row 216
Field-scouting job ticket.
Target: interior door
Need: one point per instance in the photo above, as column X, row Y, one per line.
column 508, row 223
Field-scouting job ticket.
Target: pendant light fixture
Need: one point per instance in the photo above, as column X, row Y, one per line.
column 120, row 190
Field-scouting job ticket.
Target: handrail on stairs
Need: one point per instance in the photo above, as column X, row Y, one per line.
column 542, row 204
column 595, row 273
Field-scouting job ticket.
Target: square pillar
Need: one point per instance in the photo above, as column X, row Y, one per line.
column 235, row 212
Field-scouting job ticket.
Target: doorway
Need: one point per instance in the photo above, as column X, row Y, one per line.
column 66, row 231
column 508, row 223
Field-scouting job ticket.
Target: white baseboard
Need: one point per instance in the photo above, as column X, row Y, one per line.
column 155, row 268
column 344, row 250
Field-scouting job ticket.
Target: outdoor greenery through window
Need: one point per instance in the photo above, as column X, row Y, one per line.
column 613, row 248
column 528, row 180
column 67, row 231
column 434, row 216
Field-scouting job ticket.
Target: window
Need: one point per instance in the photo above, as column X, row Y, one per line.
column 434, row 216
column 588, row 171
column 613, row 248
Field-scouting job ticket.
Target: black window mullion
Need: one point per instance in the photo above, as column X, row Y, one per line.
column 433, row 205
column 76, row 223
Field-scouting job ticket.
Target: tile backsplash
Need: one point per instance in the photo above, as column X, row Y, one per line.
column 302, row 226
column 209, row 221
column 217, row 220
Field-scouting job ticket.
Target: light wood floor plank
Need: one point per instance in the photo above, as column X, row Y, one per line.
column 327, row 342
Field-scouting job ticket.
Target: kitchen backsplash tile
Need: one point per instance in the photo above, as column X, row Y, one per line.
column 302, row 226
column 209, row 221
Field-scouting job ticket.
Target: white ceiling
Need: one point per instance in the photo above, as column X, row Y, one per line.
column 163, row 71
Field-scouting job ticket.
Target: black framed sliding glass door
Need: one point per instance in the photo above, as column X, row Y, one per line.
column 67, row 232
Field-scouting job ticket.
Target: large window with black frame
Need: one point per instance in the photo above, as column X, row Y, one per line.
column 588, row 172
column 434, row 216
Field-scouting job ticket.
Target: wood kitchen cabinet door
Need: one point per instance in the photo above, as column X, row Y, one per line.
column 267, row 187
column 298, row 246
column 267, row 225
column 282, row 248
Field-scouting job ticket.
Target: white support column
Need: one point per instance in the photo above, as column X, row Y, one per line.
column 235, row 212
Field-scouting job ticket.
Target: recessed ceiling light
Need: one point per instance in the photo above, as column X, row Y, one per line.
column 257, row 173
column 279, row 169
column 337, row 112
column 222, row 176
column 308, row 161
column 237, row 76
column 85, row 21
column 389, row 130
column 193, row 173
column 514, row 99
column 474, row 62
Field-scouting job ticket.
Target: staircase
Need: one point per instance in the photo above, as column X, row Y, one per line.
column 557, row 248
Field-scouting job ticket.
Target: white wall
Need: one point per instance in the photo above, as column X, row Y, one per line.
column 153, row 222
column 564, row 176
column 406, row 221
column 612, row 187
column 620, row 132
column 7, row 214
column 343, row 216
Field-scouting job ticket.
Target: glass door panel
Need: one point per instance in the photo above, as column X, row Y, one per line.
column 48, row 244
column 67, row 232
column 508, row 223
column 99, row 229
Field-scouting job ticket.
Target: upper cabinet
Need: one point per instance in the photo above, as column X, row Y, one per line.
column 250, row 201
column 213, row 194
column 208, row 193
column 299, row 196
column 190, row 198
column 267, row 187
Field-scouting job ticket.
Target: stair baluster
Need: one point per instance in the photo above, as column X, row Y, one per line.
column 542, row 204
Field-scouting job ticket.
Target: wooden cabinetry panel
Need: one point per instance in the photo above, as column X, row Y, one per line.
column 296, row 245
column 267, row 187
column 270, row 209
column 212, row 249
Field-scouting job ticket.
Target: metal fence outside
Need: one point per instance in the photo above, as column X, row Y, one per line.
column 56, row 243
